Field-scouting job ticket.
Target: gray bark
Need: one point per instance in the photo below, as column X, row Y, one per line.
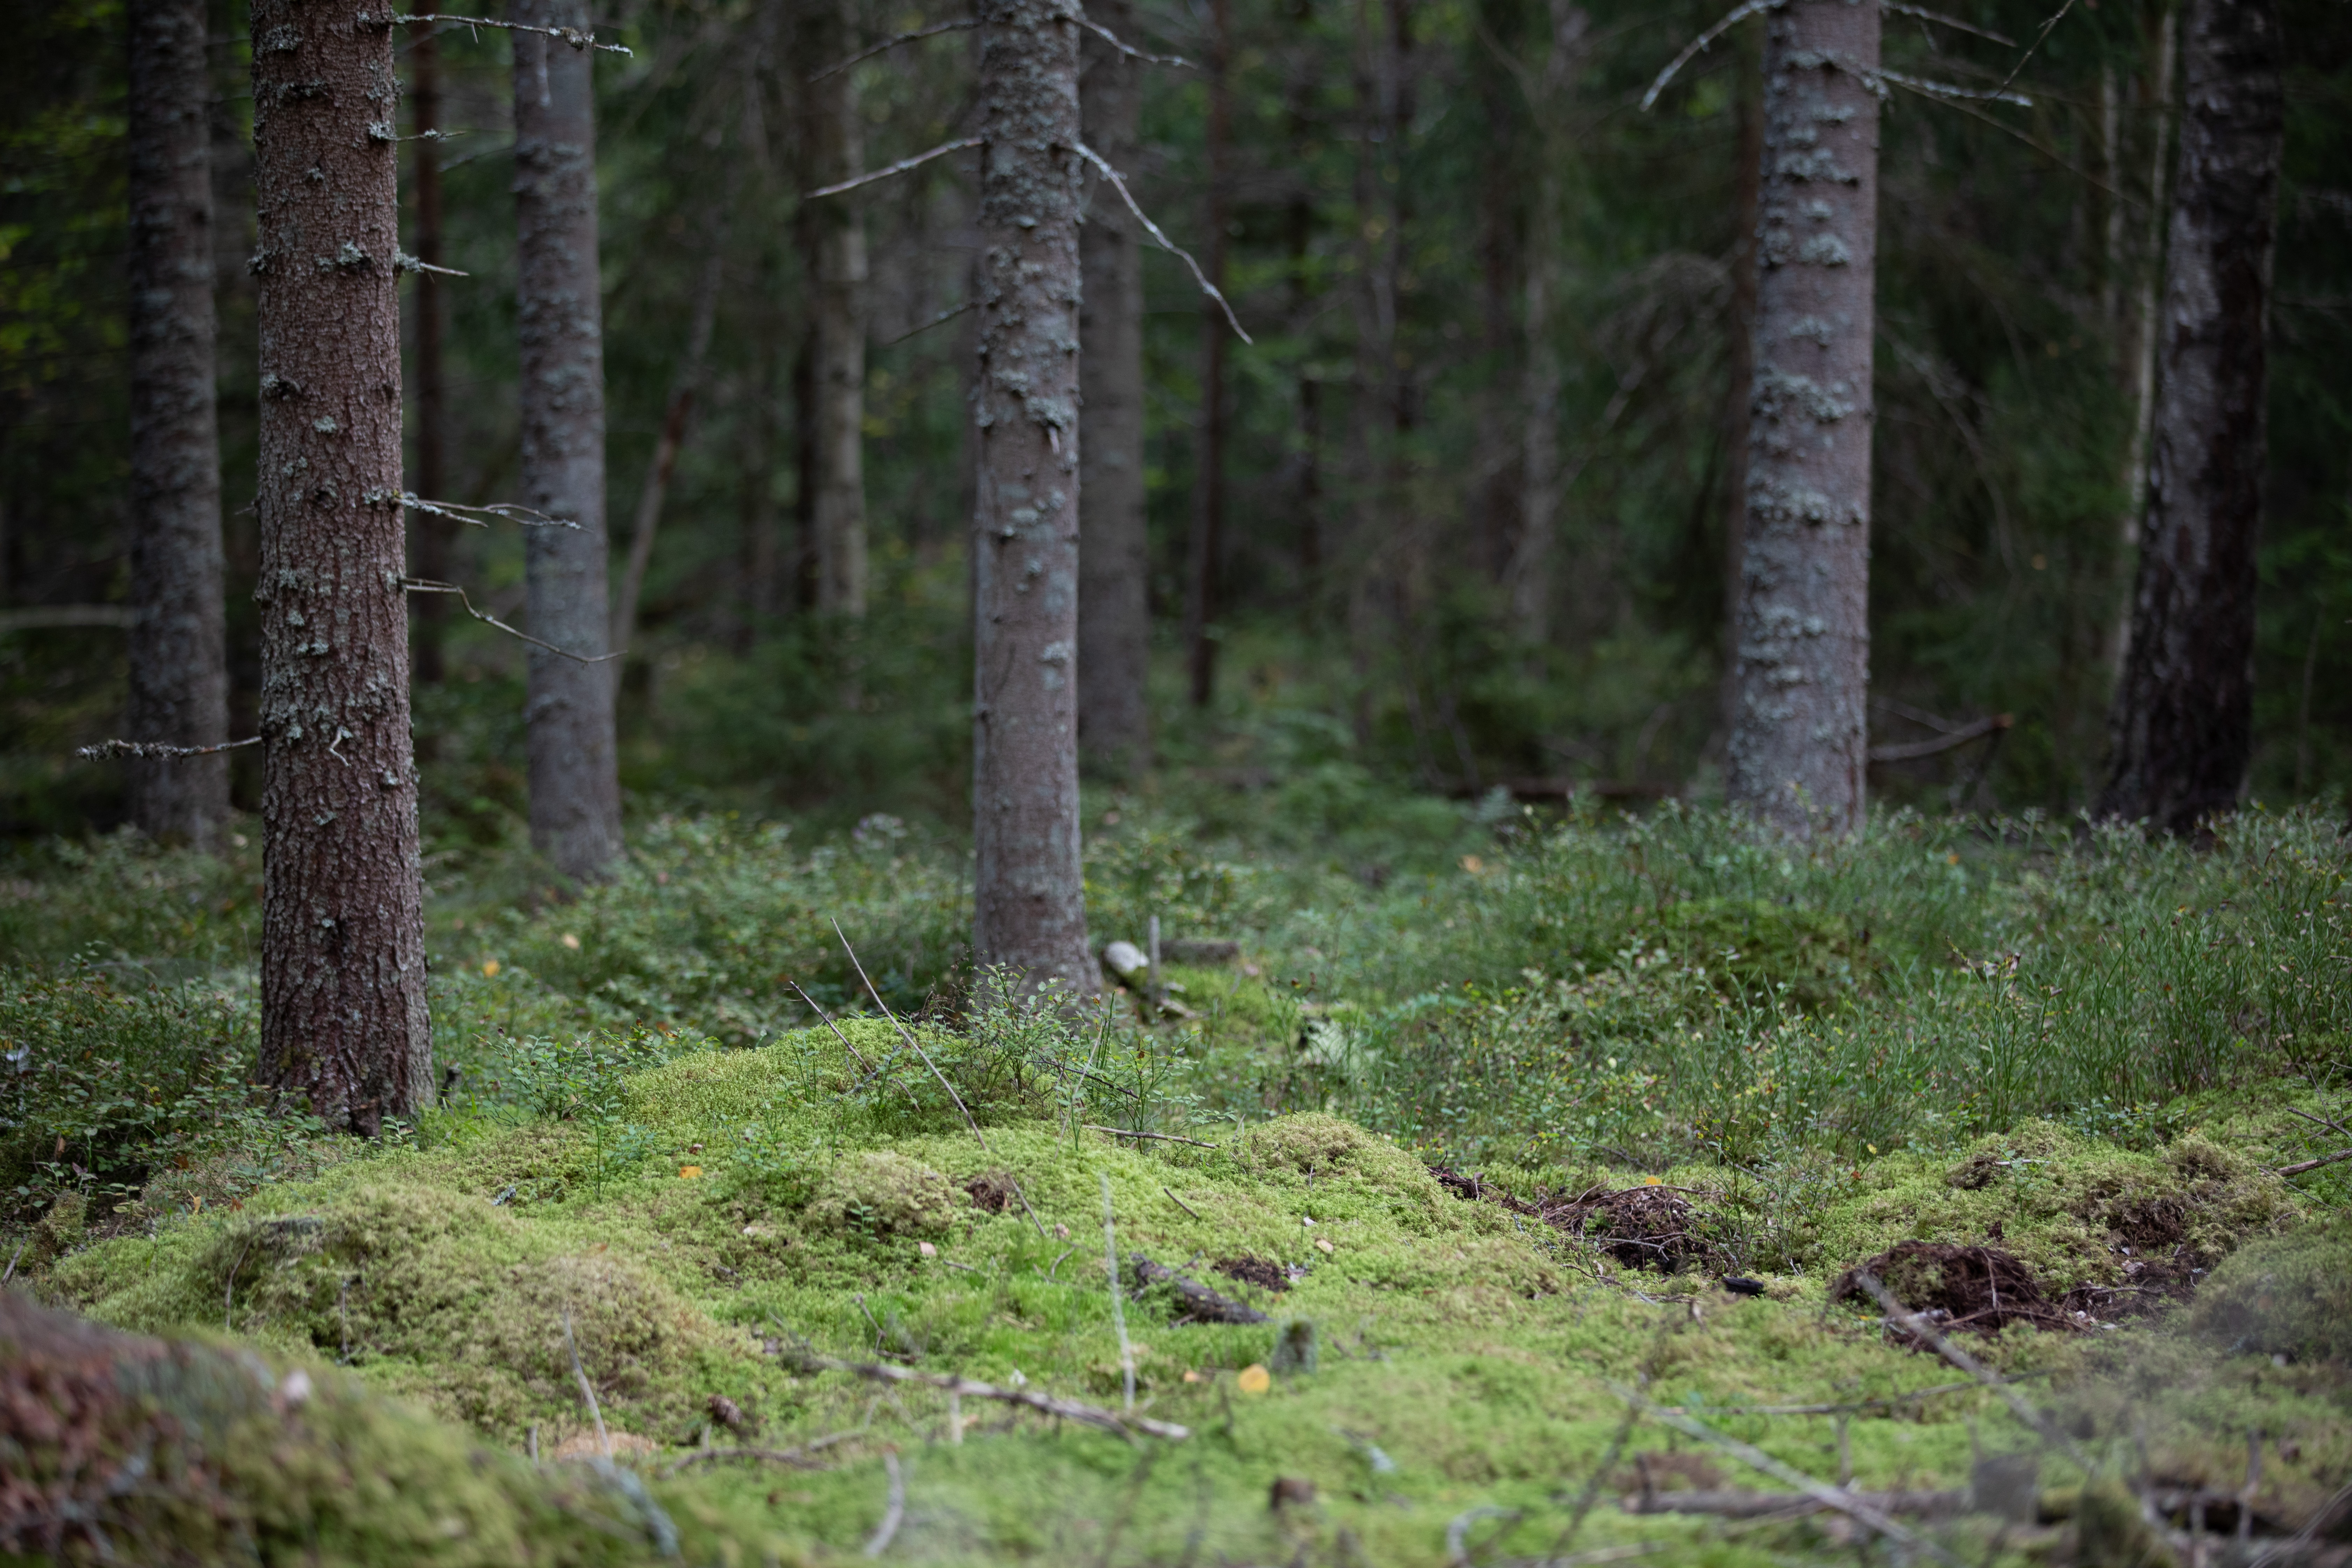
column 342, row 932
column 1800, row 736
column 179, row 667
column 1029, row 907
column 2181, row 726
column 837, row 149
column 575, row 795
column 1114, row 562
column 434, row 535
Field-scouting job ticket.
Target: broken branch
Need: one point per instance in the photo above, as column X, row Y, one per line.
column 1698, row 45
column 900, row 167
column 2294, row 1170
column 425, row 586
column 959, row 24
column 1118, row 184
column 505, row 510
column 156, row 750
column 908, row 1036
column 572, row 36
column 1129, row 50
column 1045, row 1403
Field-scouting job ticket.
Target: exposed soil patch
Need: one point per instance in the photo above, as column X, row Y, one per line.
column 993, row 1191
column 1262, row 1272
column 1979, row 1287
column 1648, row 1226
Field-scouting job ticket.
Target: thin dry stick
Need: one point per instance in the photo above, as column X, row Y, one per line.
column 1180, row 1202
column 797, row 1457
column 427, row 586
column 1129, row 50
column 1901, row 1317
column 1844, row 1502
column 829, row 1024
column 1943, row 21
column 1739, row 14
column 1025, row 1208
column 895, row 1513
column 572, row 36
column 959, row 24
column 1156, row 1137
column 908, row 1036
column 1118, row 1313
column 11, row 1272
column 587, row 1390
column 947, row 315
column 1045, row 1403
column 900, row 167
column 2057, row 18
column 1118, row 184
column 504, row 510
column 156, row 750
column 2298, row 1169
column 1939, row 89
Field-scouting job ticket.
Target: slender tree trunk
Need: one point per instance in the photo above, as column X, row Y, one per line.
column 435, row 534
column 676, row 413
column 1114, row 558
column 343, row 931
column 1528, row 574
column 2181, row 726
column 1205, row 549
column 575, row 793
column 805, row 551
column 1029, row 907
column 1738, row 395
column 839, row 226
column 179, row 662
column 2135, row 272
column 1799, row 738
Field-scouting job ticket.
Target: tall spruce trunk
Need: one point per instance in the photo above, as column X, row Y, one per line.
column 1800, row 734
column 1740, row 390
column 343, row 931
column 179, row 662
column 2181, row 726
column 1114, row 562
column 2135, row 274
column 1204, row 550
column 575, row 793
column 838, row 229
column 1029, row 906
column 434, row 535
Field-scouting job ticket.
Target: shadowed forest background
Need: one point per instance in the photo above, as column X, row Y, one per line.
column 1380, row 175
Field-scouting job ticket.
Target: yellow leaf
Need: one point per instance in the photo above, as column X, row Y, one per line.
column 690, row 1171
column 1255, row 1379
column 1654, row 1181
column 489, row 968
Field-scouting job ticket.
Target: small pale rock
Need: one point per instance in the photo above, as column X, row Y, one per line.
column 927, row 1249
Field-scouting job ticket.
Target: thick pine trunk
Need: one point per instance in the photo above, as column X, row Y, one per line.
column 1029, row 905
column 342, row 933
column 1114, row 562
column 1800, row 736
column 837, row 149
column 179, row 667
column 575, row 795
column 2181, row 727
column 1205, row 551
column 435, row 534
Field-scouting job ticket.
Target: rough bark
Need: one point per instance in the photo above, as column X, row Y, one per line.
column 434, row 535
column 2181, row 727
column 179, row 667
column 1029, row 909
column 342, row 932
column 838, row 226
column 1742, row 380
column 2136, row 271
column 575, row 795
column 1114, row 560
column 1800, row 738
column 1204, row 550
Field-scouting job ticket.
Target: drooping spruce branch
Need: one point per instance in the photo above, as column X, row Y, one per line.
column 900, row 167
column 1118, row 184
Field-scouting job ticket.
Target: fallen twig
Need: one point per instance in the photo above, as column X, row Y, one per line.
column 587, row 1390
column 1201, row 1305
column 2300, row 1167
column 1045, row 1403
column 900, row 167
column 1118, row 184
column 1890, row 1399
column 908, row 1036
column 895, row 1512
column 1157, row 1137
column 1751, row 1505
column 1180, row 1202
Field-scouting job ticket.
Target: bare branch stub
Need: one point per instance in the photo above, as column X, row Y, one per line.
column 424, row 585
column 157, row 751
column 1129, row 50
column 960, row 25
column 572, row 36
column 1118, row 184
column 900, row 167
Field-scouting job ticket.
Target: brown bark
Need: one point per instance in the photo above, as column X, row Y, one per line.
column 575, row 795
column 2181, row 726
column 343, row 934
column 434, row 535
column 837, row 226
column 1737, row 394
column 1114, row 561
column 1205, row 551
column 1029, row 908
column 179, row 666
column 1800, row 734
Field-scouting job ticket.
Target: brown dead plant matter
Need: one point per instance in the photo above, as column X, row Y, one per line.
column 993, row 1191
column 1646, row 1227
column 1262, row 1272
column 1956, row 1287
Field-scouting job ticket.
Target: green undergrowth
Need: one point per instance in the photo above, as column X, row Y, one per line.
column 696, row 1228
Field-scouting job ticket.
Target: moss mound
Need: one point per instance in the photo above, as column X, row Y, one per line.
column 2285, row 1295
column 878, row 1192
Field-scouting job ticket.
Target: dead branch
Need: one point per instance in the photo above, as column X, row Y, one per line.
column 1158, row 1137
column 1180, row 1203
column 1118, row 184
column 2057, row 18
column 403, row 262
column 2294, row 1170
column 424, row 585
column 1738, row 13
column 45, row 617
column 1876, row 74
column 505, row 510
column 1903, row 1318
column 1200, row 1304
column 894, row 1512
column 959, row 24
column 944, row 316
column 572, row 36
column 1913, row 750
column 908, row 1036
column 1941, row 20
column 900, row 167
column 829, row 1024
column 1129, row 50
column 1045, row 1403
column 1846, row 1502
column 155, row 751
column 1753, row 1505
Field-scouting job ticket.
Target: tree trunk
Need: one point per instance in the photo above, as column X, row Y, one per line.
column 1799, row 738
column 435, row 534
column 1029, row 906
column 179, row 662
column 838, row 148
column 1114, row 559
column 1741, row 389
column 342, row 931
column 2136, row 270
column 678, row 412
column 1205, row 551
column 2181, row 727
column 575, row 794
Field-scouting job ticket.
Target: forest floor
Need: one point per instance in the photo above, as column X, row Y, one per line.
column 1478, row 1140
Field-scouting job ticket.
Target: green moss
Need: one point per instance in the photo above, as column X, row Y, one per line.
column 1761, row 948
column 2287, row 1295
column 876, row 1192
